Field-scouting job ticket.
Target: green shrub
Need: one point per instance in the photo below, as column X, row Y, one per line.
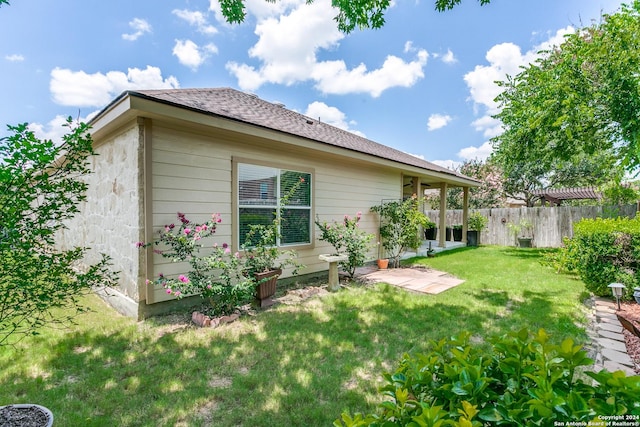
column 347, row 236
column 524, row 380
column 477, row 221
column 604, row 251
column 400, row 222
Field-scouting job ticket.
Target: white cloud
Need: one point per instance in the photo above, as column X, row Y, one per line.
column 196, row 19
column 449, row 58
column 191, row 55
column 14, row 58
column 331, row 115
column 504, row 59
column 489, row 126
column 79, row 89
column 437, row 121
column 332, row 77
column 287, row 46
column 480, row 153
column 140, row 27
column 56, row 128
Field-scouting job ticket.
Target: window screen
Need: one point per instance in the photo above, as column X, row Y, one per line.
column 265, row 193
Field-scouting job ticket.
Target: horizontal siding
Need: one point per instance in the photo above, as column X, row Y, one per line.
column 192, row 173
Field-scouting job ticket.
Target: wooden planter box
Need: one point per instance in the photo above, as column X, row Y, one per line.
column 266, row 287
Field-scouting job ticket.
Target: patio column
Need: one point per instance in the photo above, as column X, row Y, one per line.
column 442, row 234
column 417, row 186
column 465, row 213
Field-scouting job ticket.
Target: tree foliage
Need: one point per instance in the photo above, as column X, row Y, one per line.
column 488, row 195
column 400, row 223
column 522, row 179
column 579, row 100
column 524, row 379
column 41, row 187
column 351, row 14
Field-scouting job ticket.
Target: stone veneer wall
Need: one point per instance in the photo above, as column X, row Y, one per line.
column 110, row 220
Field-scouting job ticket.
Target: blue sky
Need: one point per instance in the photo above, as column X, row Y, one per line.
column 423, row 84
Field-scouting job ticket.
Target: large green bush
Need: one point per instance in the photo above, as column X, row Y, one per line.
column 603, row 251
column 41, row 187
column 524, row 380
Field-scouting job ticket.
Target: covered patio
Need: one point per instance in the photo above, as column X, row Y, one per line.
column 443, row 182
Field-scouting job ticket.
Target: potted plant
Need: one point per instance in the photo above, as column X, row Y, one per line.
column 263, row 261
column 431, row 233
column 383, row 263
column 476, row 223
column 523, row 232
column 430, row 230
column 457, row 232
column 400, row 224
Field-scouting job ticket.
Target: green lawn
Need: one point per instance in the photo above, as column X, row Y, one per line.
column 298, row 365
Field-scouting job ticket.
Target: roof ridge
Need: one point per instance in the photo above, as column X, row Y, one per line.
column 250, row 108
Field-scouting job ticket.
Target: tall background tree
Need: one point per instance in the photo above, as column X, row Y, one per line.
column 489, row 194
column 573, row 116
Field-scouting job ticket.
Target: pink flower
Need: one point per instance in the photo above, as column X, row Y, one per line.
column 359, row 214
column 215, row 245
column 227, row 251
column 208, row 286
column 148, row 282
column 139, row 244
column 177, row 293
column 198, row 229
column 169, row 290
column 237, row 255
column 183, row 278
column 187, row 231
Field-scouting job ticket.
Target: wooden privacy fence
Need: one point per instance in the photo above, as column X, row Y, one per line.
column 550, row 224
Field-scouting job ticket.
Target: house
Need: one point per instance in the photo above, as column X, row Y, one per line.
column 204, row 151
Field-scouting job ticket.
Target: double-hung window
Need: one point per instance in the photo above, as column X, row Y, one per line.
column 266, row 193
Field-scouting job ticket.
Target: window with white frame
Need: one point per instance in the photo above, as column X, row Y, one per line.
column 265, row 193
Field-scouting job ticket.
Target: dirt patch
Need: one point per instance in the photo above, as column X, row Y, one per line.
column 631, row 312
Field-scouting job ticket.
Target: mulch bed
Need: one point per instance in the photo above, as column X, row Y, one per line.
column 631, row 312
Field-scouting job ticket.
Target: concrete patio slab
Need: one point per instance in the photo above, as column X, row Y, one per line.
column 611, row 335
column 612, row 344
column 421, row 280
column 617, row 357
column 610, row 327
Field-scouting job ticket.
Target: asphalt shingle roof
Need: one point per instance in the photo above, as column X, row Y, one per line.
column 249, row 108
